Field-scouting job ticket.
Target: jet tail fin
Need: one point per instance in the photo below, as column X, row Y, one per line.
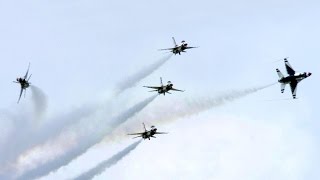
column 279, row 73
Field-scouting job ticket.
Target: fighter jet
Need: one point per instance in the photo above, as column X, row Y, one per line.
column 163, row 89
column 293, row 78
column 177, row 49
column 24, row 82
column 147, row 134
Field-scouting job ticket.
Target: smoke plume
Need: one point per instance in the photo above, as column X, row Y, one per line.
column 135, row 78
column 39, row 100
column 162, row 113
column 194, row 106
column 55, row 126
column 108, row 163
column 85, row 143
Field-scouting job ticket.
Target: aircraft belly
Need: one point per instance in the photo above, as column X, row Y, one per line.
column 288, row 79
column 25, row 86
column 285, row 81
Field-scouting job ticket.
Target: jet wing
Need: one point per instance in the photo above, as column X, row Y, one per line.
column 173, row 89
column 289, row 68
column 136, row 134
column 293, row 86
column 166, row 49
column 20, row 95
column 161, row 133
column 190, row 47
column 152, row 87
column 26, row 76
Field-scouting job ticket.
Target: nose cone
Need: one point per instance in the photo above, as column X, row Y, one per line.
column 309, row 74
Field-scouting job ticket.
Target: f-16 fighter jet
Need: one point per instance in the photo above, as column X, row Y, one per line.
column 163, row 89
column 177, row 49
column 24, row 83
column 293, row 78
column 147, row 134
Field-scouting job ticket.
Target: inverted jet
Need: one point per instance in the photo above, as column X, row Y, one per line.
column 163, row 89
column 292, row 79
column 24, row 83
column 148, row 134
column 177, row 49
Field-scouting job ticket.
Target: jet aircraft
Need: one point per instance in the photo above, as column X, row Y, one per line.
column 147, row 134
column 163, row 89
column 24, row 83
column 177, row 49
column 293, row 78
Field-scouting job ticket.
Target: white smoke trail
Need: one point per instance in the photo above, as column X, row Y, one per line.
column 26, row 137
column 165, row 113
column 190, row 107
column 86, row 142
column 107, row 163
column 169, row 113
column 135, row 78
column 40, row 103
column 56, row 125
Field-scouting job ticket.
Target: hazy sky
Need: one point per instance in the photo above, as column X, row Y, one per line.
column 80, row 50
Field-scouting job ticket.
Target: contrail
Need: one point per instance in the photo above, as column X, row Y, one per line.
column 85, row 143
column 165, row 113
column 107, row 163
column 39, row 100
column 135, row 78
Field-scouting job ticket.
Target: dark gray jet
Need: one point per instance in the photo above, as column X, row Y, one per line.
column 293, row 78
column 163, row 89
column 24, row 83
column 147, row 134
column 177, row 49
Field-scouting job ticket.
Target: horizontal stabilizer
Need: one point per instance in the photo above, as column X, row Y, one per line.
column 279, row 73
column 282, row 87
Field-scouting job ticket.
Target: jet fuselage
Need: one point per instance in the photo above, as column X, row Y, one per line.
column 296, row 77
column 179, row 49
column 165, row 89
column 149, row 134
column 24, row 83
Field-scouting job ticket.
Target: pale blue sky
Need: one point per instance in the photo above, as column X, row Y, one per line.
column 79, row 50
